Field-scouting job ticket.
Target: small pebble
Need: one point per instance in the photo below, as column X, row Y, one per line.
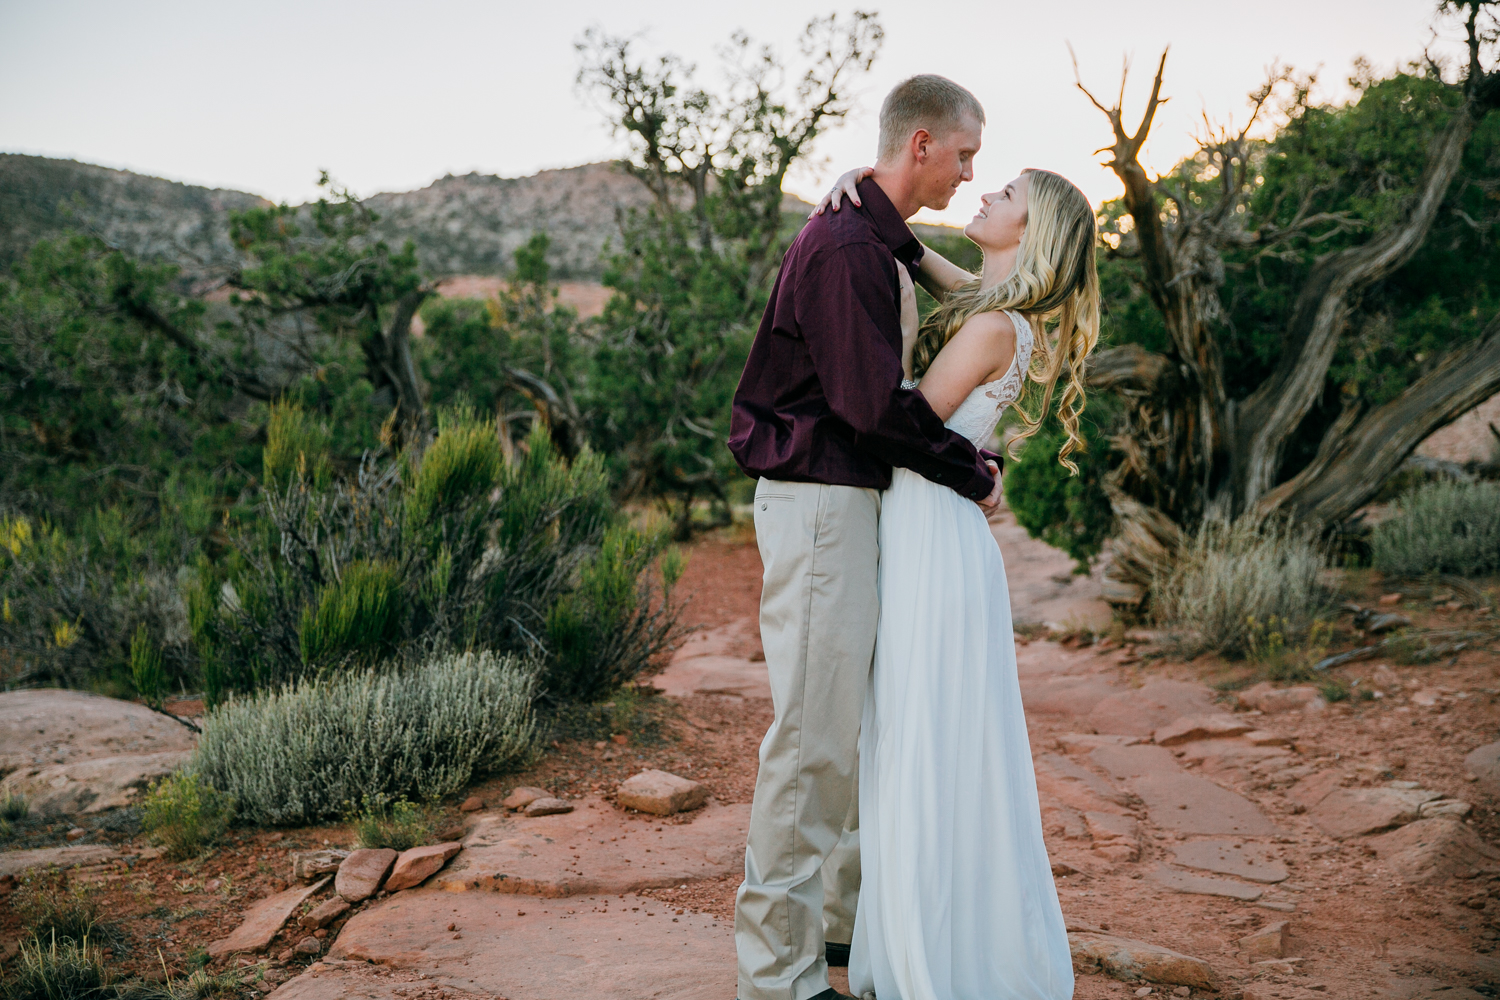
column 77, row 833
column 1144, row 991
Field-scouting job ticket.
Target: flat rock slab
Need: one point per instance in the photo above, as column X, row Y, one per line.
column 16, row 862
column 93, row 784
column 1350, row 812
column 1140, row 711
column 1134, row 761
column 1200, row 727
column 596, row 849
column 1046, row 693
column 361, row 873
column 1076, row 785
column 714, row 675
column 1130, row 960
column 1435, row 849
column 1484, row 763
column 1043, row 586
column 1190, row 804
column 585, row 946
column 263, row 919
column 44, row 727
column 718, row 661
column 1255, row 862
column 1199, row 885
column 419, row 864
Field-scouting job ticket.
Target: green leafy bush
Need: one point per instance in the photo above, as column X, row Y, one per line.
column 356, row 616
column 1228, row 582
column 52, row 907
column 145, row 666
column 184, row 814
column 57, row 969
column 1068, row 512
column 462, row 464
column 453, row 549
column 398, row 824
column 1442, row 527
column 296, row 447
column 597, row 625
column 307, row 751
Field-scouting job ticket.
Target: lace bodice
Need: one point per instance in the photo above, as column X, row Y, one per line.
column 977, row 416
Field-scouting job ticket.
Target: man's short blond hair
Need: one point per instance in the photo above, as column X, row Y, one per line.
column 927, row 101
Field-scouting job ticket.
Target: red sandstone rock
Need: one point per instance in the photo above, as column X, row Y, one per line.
column 325, row 914
column 548, row 807
column 1268, row 942
column 520, row 798
column 660, row 793
column 262, row 920
column 1435, row 850
column 1132, row 960
column 1200, row 727
column 362, row 873
column 1350, row 812
column 472, row 804
column 417, row 865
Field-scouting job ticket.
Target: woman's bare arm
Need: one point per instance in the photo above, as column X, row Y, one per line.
column 940, row 275
column 981, row 351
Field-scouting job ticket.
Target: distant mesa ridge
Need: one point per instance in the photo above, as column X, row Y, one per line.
column 460, row 225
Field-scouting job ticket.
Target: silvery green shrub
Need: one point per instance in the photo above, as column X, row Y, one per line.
column 313, row 749
column 1442, row 527
column 1227, row 580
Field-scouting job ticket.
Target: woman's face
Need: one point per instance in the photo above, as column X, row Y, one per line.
column 1002, row 217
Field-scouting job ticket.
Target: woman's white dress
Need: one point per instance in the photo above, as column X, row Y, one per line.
column 957, row 900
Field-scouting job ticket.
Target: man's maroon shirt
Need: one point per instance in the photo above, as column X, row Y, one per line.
column 820, row 399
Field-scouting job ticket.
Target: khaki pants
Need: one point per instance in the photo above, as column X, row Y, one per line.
column 818, row 612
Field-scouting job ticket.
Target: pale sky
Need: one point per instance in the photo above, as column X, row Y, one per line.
column 389, row 96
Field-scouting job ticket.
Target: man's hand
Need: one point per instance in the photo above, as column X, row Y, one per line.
column 991, row 502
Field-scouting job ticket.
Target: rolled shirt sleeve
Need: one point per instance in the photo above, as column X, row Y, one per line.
column 848, row 313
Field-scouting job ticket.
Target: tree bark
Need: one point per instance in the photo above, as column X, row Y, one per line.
column 1357, row 457
column 1266, row 420
column 390, row 364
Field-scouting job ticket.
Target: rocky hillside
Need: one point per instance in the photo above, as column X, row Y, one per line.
column 460, row 225
column 467, row 225
column 40, row 197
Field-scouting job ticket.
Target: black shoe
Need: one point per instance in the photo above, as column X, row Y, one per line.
column 836, row 955
column 831, row 993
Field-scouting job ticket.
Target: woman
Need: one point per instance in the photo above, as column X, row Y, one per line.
column 957, row 898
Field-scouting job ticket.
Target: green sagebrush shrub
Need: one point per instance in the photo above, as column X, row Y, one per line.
column 183, row 814
column 310, row 750
column 450, row 548
column 1442, row 528
column 1229, row 580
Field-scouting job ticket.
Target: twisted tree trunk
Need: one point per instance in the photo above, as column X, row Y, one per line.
column 1187, row 451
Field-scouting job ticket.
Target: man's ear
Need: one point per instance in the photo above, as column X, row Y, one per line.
column 921, row 143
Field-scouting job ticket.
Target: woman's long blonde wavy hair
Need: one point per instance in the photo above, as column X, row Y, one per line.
column 1056, row 283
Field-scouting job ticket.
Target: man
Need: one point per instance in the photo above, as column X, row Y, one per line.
column 820, row 417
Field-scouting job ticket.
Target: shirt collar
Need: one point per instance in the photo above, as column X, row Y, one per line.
column 889, row 226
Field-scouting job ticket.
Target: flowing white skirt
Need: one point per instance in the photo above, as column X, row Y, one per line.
column 957, row 900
